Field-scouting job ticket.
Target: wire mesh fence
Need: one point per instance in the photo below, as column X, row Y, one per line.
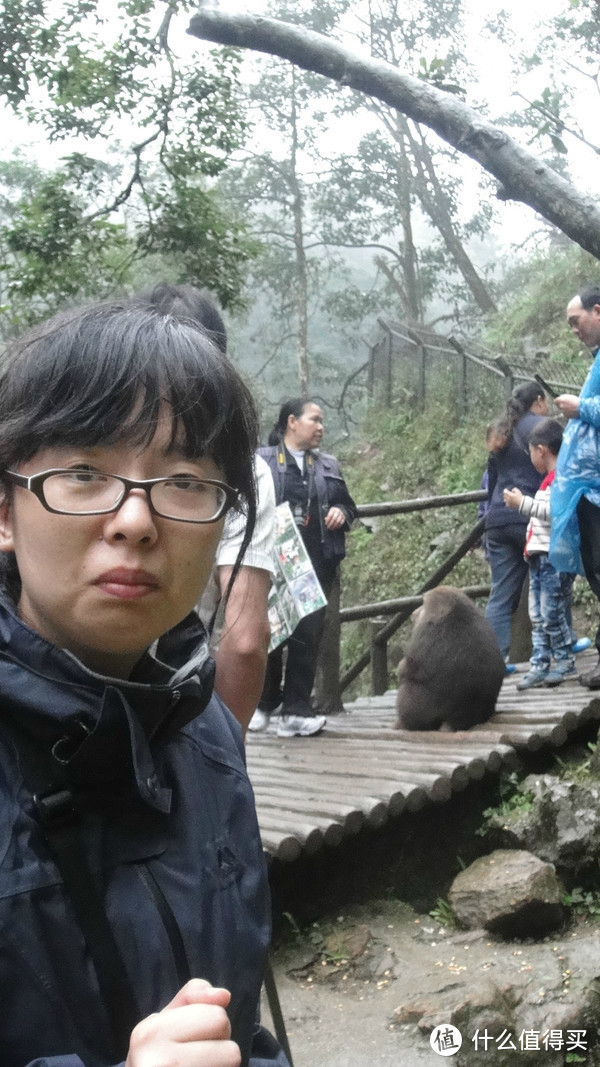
column 418, row 365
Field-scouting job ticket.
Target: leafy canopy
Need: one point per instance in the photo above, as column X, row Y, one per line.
column 158, row 129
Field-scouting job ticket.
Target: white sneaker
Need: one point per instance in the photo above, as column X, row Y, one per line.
column 299, row 726
column 259, row 721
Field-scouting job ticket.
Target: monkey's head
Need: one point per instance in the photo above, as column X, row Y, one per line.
column 439, row 602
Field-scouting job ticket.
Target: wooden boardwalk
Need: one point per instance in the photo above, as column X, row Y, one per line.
column 361, row 771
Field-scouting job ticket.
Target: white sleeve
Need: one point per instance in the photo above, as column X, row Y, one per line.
column 260, row 550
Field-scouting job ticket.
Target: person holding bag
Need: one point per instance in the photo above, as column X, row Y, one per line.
column 312, row 483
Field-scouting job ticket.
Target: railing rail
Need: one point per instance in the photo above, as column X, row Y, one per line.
column 420, row 503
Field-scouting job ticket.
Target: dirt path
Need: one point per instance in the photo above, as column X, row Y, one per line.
column 342, row 981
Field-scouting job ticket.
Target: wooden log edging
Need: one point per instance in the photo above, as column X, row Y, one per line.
column 315, row 793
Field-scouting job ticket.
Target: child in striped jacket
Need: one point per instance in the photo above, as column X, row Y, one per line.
column 549, row 590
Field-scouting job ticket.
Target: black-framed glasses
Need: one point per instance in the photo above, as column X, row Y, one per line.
column 66, row 491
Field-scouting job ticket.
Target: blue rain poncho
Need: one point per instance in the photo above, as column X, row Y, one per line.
column 577, row 475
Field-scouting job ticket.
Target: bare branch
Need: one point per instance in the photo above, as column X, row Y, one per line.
column 523, row 176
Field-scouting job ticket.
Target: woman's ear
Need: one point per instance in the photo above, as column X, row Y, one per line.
column 6, row 526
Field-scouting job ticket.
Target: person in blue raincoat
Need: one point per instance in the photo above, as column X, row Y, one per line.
column 575, row 497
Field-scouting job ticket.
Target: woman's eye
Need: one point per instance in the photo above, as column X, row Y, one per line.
column 185, row 484
column 84, row 477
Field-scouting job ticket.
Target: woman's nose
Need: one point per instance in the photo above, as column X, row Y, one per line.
column 133, row 520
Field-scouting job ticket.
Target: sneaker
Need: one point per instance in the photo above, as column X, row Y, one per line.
column 556, row 675
column 259, row 721
column 536, row 676
column 509, row 668
column 580, row 645
column 300, row 726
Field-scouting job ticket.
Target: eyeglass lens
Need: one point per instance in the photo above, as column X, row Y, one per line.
column 78, row 492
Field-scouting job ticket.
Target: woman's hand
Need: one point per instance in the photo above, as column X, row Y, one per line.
column 512, row 498
column 335, row 519
column 192, row 1031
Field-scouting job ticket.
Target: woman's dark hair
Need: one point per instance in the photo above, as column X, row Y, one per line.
column 187, row 302
column 517, row 405
column 294, row 407
column 548, row 432
column 106, row 374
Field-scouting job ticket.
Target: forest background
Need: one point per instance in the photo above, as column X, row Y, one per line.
column 309, row 209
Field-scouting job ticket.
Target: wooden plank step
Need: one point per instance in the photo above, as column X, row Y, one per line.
column 361, row 771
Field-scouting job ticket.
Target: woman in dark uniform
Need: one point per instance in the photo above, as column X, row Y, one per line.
column 312, row 483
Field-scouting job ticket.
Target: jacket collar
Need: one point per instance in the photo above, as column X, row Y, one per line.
column 100, row 730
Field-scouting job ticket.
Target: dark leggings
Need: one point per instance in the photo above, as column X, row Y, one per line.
column 588, row 517
column 302, row 650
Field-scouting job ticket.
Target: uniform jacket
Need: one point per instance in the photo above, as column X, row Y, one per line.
column 331, row 491
column 170, row 834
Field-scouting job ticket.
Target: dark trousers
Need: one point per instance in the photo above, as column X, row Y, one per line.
column 302, row 650
column 588, row 517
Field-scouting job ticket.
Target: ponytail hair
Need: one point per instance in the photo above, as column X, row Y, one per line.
column 517, row 405
column 294, row 407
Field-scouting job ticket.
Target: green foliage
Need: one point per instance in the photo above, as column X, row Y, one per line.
column 443, row 914
column 534, row 299
column 407, row 454
column 204, row 237
column 514, row 802
column 55, row 251
column 577, row 770
column 437, row 72
column 583, row 902
column 82, row 68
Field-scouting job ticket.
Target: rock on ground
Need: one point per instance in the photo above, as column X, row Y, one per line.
column 511, row 893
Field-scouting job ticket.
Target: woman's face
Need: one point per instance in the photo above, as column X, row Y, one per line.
column 540, row 406
column 306, row 430
column 104, row 587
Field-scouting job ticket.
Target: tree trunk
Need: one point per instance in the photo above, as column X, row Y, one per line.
column 301, row 278
column 409, row 252
column 435, row 203
column 522, row 175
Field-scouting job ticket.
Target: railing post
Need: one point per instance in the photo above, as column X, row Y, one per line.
column 379, row 659
column 463, row 397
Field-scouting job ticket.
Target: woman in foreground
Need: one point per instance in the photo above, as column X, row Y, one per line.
column 134, row 903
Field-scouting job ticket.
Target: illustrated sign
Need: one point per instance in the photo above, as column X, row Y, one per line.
column 295, row 590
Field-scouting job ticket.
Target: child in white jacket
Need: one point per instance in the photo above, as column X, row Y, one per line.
column 549, row 590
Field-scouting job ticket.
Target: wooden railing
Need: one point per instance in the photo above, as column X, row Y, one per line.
column 399, row 609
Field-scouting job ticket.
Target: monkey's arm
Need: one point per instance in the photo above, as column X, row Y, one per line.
column 408, row 670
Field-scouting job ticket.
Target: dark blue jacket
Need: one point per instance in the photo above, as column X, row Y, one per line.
column 330, row 490
column 509, row 469
column 170, row 833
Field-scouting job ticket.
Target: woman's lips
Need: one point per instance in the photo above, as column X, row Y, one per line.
column 127, row 584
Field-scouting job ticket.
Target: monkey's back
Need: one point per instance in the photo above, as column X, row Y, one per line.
column 453, row 668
